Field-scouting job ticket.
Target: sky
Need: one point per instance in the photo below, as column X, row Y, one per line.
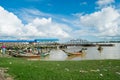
column 93, row 20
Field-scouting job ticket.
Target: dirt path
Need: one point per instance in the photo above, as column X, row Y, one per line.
column 4, row 75
column 1, row 77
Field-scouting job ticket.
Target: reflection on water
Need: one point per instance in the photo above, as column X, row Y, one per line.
column 92, row 53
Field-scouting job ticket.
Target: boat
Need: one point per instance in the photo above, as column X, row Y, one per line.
column 30, row 55
column 27, row 56
column 100, row 48
column 74, row 53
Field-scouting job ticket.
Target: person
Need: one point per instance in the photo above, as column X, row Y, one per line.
column 3, row 47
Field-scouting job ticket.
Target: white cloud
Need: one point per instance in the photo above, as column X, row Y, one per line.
column 102, row 3
column 46, row 28
column 100, row 23
column 105, row 22
column 27, row 15
column 11, row 25
column 83, row 3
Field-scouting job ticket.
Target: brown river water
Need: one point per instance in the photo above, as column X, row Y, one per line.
column 92, row 53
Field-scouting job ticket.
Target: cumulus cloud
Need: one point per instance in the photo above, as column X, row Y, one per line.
column 27, row 15
column 105, row 22
column 103, row 3
column 11, row 25
column 46, row 28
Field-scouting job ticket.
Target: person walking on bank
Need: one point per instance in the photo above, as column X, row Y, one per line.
column 3, row 47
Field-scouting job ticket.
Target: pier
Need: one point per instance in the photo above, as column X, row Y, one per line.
column 53, row 43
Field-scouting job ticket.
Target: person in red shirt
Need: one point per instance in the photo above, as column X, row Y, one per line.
column 3, row 47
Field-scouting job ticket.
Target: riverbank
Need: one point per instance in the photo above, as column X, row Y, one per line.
column 22, row 69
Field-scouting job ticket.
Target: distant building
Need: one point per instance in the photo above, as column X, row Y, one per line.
column 78, row 41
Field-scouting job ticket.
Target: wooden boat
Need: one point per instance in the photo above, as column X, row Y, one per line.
column 29, row 55
column 74, row 53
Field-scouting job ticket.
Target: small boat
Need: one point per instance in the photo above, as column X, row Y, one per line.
column 27, row 56
column 100, row 48
column 74, row 53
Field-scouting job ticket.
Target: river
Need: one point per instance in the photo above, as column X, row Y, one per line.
column 92, row 53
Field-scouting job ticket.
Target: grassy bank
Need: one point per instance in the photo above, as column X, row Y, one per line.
column 22, row 69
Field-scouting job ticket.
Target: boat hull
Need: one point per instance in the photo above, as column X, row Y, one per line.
column 29, row 56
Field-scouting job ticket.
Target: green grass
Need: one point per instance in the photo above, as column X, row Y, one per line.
column 22, row 69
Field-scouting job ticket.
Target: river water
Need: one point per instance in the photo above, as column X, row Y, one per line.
column 92, row 53
column 108, row 52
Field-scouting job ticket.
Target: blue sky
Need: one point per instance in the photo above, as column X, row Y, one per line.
column 63, row 19
column 62, row 7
